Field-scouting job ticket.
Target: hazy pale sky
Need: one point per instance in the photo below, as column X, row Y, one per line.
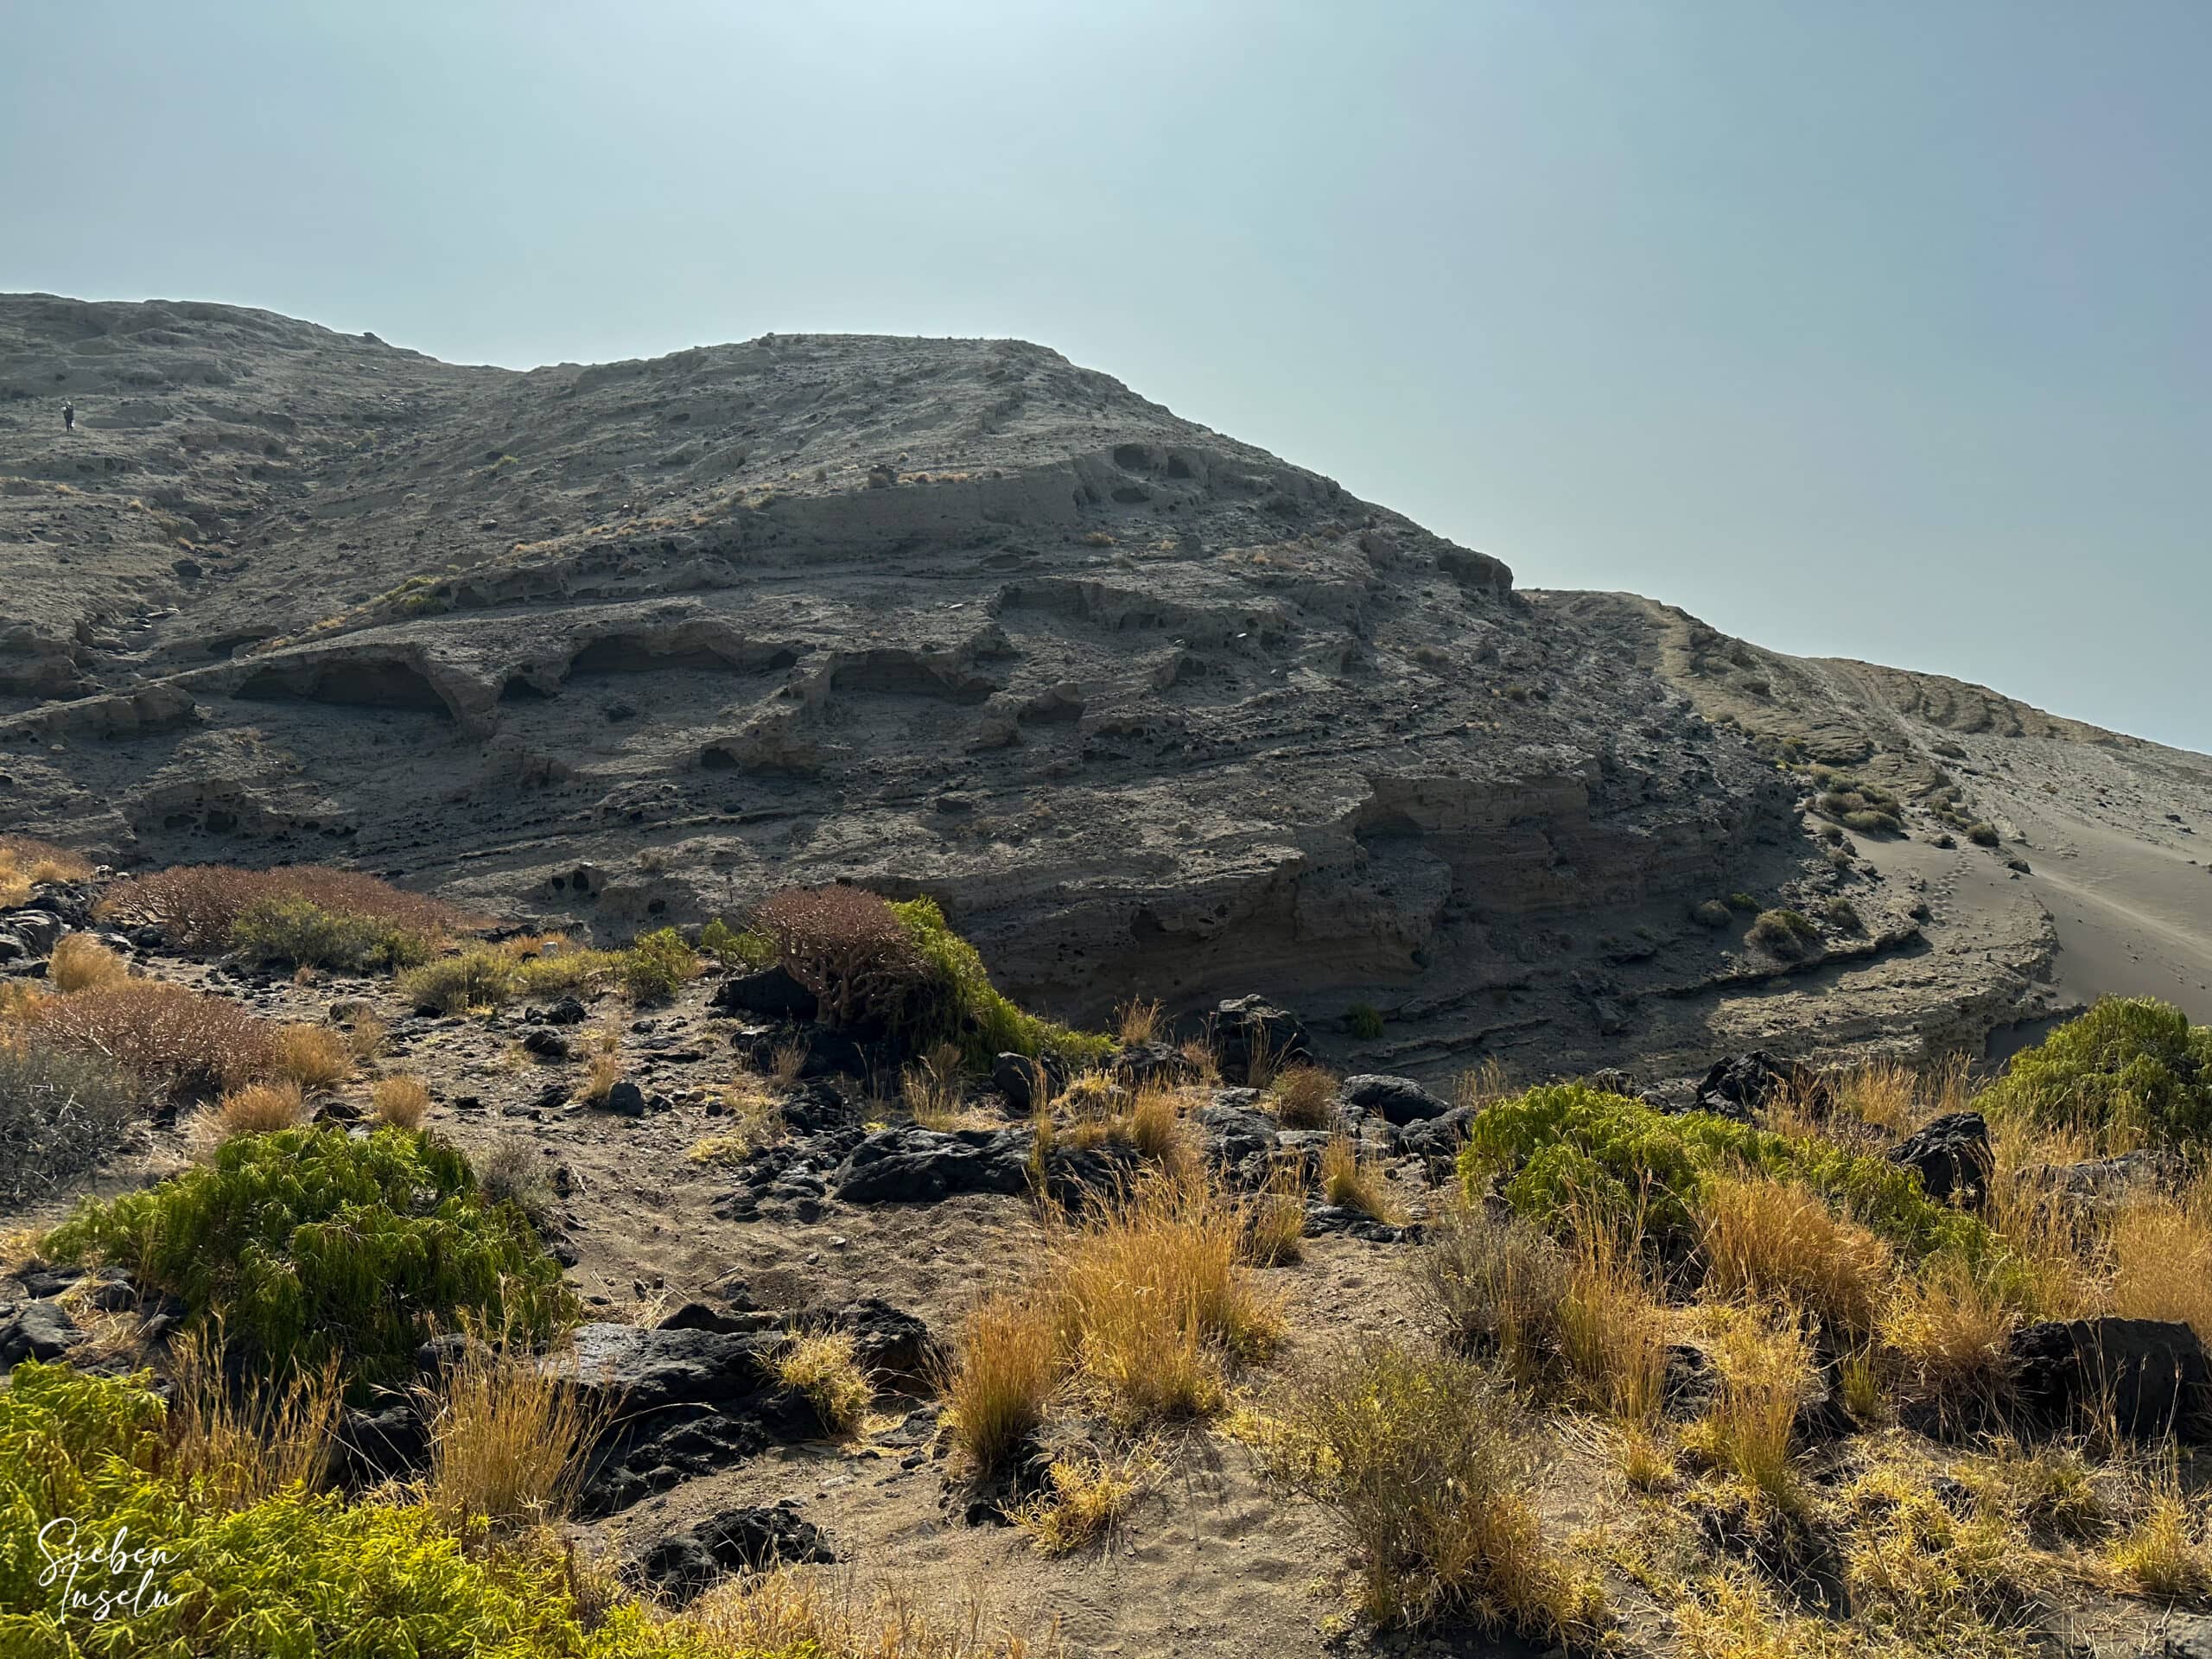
column 1880, row 329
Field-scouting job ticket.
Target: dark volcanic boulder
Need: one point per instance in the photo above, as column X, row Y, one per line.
column 911, row 1164
column 1014, row 1075
column 565, row 1012
column 1953, row 1156
column 1741, row 1085
column 1396, row 1100
column 627, row 1098
column 1153, row 1063
column 1436, row 1141
column 644, row 1368
column 39, row 1331
column 1246, row 1026
column 1239, row 1138
column 887, row 1340
column 649, row 1454
column 771, row 991
column 2107, row 1182
column 545, row 1045
column 745, row 1539
column 2150, row 1376
column 370, row 1447
column 39, row 930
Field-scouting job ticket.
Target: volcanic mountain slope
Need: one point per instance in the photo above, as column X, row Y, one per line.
column 1147, row 709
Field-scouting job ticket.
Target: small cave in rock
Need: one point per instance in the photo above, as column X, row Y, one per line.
column 370, row 683
column 716, row 757
column 1133, row 457
column 903, row 674
column 520, row 688
column 630, row 653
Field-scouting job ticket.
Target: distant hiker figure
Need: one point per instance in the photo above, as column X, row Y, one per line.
column 68, row 417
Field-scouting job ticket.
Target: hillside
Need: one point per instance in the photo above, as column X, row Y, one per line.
column 1146, row 708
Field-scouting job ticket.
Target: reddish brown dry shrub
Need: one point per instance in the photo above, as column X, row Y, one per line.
column 41, row 861
column 845, row 944
column 196, row 904
column 163, row 1033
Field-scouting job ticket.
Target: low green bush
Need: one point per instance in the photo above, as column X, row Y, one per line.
column 479, row 978
column 1364, row 1021
column 1566, row 1147
column 299, row 930
column 658, row 965
column 2129, row 1067
column 957, row 1003
column 307, row 1243
column 1982, row 835
column 750, row 950
column 1784, row 933
column 299, row 1575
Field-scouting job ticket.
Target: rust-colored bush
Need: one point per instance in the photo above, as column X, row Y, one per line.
column 196, row 905
column 845, row 944
column 165, row 1033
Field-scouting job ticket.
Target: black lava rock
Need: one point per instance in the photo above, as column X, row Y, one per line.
column 771, row 991
column 1953, row 1156
column 1396, row 1100
column 2150, row 1375
column 745, row 1540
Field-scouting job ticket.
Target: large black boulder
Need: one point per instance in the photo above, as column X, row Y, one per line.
column 887, row 1340
column 1741, row 1085
column 371, row 1446
column 643, row 1369
column 1396, row 1100
column 1244, row 1027
column 1437, row 1141
column 38, row 1331
column 911, row 1164
column 2146, row 1376
column 743, row 1540
column 1015, row 1076
column 1953, row 1156
column 771, row 992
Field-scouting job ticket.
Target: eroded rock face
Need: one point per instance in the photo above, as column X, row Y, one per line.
column 1146, row 708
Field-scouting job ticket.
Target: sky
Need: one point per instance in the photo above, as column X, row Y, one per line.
column 1879, row 330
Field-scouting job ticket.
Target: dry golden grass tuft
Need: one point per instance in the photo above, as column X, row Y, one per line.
column 400, row 1102
column 1613, row 1331
column 1274, row 1220
column 1000, row 1377
column 508, row 1437
column 1304, row 1097
column 1481, row 1086
column 785, row 1062
column 313, row 1056
column 1496, row 1285
column 2162, row 1261
column 1424, row 1460
column 1204, row 1064
column 1765, row 1373
column 1762, row 1238
column 1947, row 1331
column 2165, row 1554
column 1137, row 1022
column 603, row 1065
column 237, row 1444
column 790, row 1611
column 823, row 1367
column 1087, row 1494
column 81, row 963
column 364, row 1034
column 257, row 1109
column 1352, row 1181
column 933, row 1090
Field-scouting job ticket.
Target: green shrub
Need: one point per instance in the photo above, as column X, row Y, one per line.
column 1566, row 1147
column 1711, row 914
column 958, row 1004
column 2133, row 1065
column 301, row 931
column 1743, row 901
column 1364, row 1021
column 305, row 1242
column 566, row 971
column 479, row 978
column 62, row 1112
column 1841, row 912
column 1982, row 835
column 1868, row 822
column 751, row 948
column 658, row 965
column 289, row 1576
column 1784, row 933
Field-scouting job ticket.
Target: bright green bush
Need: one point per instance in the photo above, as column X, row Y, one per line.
column 306, row 1243
column 479, row 978
column 299, row 930
column 1786, row 933
column 2129, row 1067
column 1566, row 1147
column 658, row 965
column 751, row 948
column 958, row 1004
column 296, row 1576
